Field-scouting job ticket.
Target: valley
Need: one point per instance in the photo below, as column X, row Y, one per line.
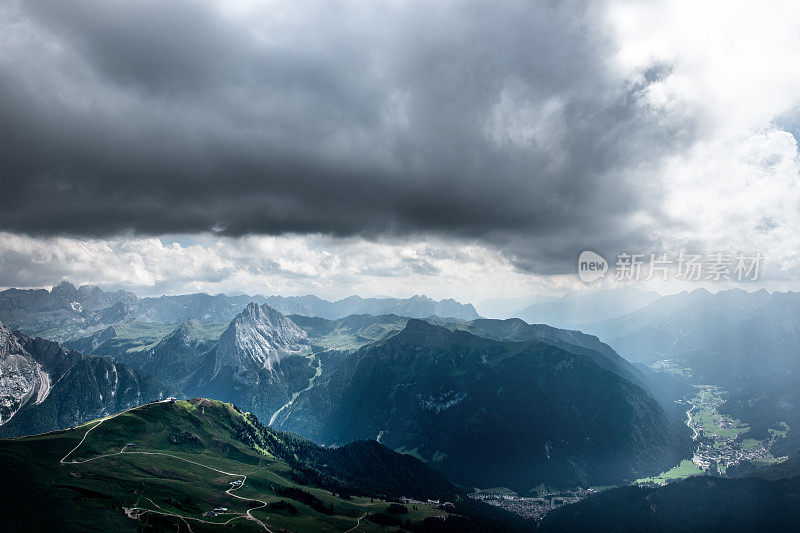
column 722, row 442
column 311, row 381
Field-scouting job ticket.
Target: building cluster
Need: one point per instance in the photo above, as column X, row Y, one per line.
column 533, row 507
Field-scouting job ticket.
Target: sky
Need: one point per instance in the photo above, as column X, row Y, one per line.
column 458, row 149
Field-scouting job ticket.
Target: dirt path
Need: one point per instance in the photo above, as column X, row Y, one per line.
column 248, row 515
column 358, row 523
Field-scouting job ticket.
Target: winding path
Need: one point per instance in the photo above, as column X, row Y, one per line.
column 358, row 523
column 248, row 515
column 243, row 477
column 64, row 459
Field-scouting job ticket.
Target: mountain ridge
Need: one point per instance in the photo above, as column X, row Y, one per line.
column 465, row 397
column 67, row 312
column 53, row 387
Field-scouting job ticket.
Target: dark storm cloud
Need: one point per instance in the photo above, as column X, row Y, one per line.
column 495, row 121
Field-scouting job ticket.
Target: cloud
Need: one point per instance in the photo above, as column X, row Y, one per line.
column 498, row 122
column 528, row 130
column 286, row 265
column 737, row 186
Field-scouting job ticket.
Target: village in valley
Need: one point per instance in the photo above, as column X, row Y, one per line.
column 722, row 441
column 531, row 507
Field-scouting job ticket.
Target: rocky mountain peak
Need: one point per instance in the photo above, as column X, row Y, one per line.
column 64, row 289
column 251, row 310
column 89, row 289
column 8, row 342
column 259, row 337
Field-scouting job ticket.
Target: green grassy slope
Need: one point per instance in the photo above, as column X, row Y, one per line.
column 349, row 333
column 164, row 465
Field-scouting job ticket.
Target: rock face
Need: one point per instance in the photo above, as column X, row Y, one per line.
column 18, row 375
column 44, row 386
column 28, row 368
column 259, row 362
column 258, row 339
column 64, row 312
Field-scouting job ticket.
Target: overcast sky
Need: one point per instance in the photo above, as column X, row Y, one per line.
column 459, row 149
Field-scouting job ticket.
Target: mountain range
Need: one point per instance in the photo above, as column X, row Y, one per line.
column 454, row 399
column 485, row 403
column 67, row 312
column 414, row 307
column 401, row 381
